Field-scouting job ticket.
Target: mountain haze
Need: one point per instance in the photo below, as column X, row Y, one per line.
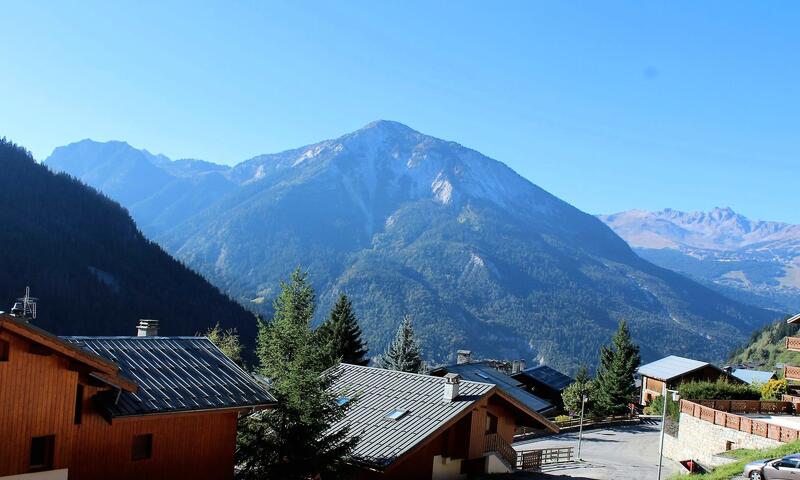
column 753, row 261
column 93, row 271
column 406, row 223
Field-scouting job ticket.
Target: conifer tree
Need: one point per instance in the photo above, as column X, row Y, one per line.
column 227, row 341
column 293, row 440
column 403, row 353
column 341, row 335
column 614, row 380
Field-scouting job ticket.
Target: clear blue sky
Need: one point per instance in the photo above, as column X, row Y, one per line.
column 610, row 106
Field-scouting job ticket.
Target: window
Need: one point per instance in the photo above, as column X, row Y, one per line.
column 395, row 414
column 4, row 349
column 142, row 447
column 482, row 375
column 491, row 423
column 78, row 404
column 42, row 453
column 342, row 401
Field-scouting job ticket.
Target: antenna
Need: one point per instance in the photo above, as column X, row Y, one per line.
column 25, row 307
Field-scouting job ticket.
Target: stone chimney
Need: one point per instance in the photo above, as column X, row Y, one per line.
column 463, row 356
column 514, row 367
column 451, row 381
column 521, row 365
column 147, row 328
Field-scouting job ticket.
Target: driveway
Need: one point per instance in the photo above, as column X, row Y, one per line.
column 620, row 453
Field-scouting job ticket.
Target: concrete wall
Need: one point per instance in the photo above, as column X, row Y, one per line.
column 702, row 441
column 49, row 475
column 446, row 468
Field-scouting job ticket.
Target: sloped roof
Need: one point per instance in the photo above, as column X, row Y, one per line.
column 753, row 376
column 483, row 372
column 175, row 374
column 795, row 319
column 672, row 367
column 379, row 391
column 547, row 376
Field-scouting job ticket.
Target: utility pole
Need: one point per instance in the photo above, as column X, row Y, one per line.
column 663, row 425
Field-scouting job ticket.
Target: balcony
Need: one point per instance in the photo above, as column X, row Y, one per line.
column 791, row 373
column 793, row 344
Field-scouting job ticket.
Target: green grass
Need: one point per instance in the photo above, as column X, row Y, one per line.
column 726, row 472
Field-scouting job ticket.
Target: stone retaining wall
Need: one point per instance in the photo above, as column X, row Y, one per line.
column 702, row 441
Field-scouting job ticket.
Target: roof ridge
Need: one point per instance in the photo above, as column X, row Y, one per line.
column 409, row 373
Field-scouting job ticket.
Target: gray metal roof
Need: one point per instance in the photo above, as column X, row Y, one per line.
column 175, row 374
column 378, row 391
column 483, row 372
column 671, row 367
column 547, row 376
column 753, row 376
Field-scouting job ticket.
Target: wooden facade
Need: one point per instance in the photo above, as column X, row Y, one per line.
column 653, row 387
column 48, row 419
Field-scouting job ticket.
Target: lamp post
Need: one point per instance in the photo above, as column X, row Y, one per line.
column 580, row 429
column 675, row 397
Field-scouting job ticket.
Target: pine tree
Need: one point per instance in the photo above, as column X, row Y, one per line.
column 614, row 380
column 341, row 335
column 403, row 353
column 293, row 440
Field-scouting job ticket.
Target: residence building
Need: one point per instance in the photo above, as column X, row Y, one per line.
column 422, row 426
column 545, row 382
column 753, row 377
column 673, row 371
column 136, row 407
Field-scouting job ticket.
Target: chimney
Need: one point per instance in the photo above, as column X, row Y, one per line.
column 514, row 367
column 727, row 369
column 147, row 328
column 463, row 356
column 521, row 365
column 451, row 381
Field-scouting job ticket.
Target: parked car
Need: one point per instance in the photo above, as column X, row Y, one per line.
column 787, row 467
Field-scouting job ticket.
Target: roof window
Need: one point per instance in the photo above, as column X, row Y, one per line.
column 396, row 414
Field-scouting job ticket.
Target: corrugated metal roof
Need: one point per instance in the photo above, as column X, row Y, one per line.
column 378, row 392
column 547, row 376
column 671, row 367
column 482, row 372
column 175, row 374
column 753, row 376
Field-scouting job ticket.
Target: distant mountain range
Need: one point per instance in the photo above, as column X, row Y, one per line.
column 752, row 261
column 93, row 271
column 410, row 224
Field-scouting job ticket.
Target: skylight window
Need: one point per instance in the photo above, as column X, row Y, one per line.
column 396, row 414
column 482, row 375
column 341, row 401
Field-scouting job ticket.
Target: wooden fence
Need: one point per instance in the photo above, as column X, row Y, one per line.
column 534, row 459
column 723, row 413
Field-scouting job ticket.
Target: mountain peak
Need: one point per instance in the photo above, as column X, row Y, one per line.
column 387, row 126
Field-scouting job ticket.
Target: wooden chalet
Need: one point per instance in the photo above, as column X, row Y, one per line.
column 143, row 407
column 425, row 427
column 674, row 370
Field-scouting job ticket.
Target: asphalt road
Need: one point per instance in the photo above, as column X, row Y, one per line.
column 618, row 453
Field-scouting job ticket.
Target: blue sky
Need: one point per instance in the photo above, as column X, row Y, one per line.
column 610, row 106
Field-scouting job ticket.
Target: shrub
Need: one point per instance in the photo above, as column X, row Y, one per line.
column 719, row 390
column 656, row 407
column 563, row 418
column 773, row 389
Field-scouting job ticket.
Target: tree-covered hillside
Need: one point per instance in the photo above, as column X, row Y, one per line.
column 767, row 347
column 93, row 271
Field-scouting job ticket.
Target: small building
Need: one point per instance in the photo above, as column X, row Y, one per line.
column 545, row 382
column 673, row 371
column 753, row 377
column 485, row 372
column 423, row 427
column 88, row 408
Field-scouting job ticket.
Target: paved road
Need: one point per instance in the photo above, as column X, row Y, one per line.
column 615, row 453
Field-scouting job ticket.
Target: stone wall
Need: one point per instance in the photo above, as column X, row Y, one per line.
column 703, row 441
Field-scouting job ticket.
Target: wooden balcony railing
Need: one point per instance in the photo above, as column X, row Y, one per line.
column 791, row 373
column 494, row 443
column 699, row 409
column 793, row 344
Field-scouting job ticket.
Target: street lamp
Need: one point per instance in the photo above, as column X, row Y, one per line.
column 580, row 429
column 675, row 398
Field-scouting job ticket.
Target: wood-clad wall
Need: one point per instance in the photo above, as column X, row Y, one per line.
column 37, row 398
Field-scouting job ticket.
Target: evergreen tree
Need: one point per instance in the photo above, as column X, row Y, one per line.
column 403, row 353
column 573, row 394
column 227, row 341
column 293, row 440
column 614, row 380
column 341, row 335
